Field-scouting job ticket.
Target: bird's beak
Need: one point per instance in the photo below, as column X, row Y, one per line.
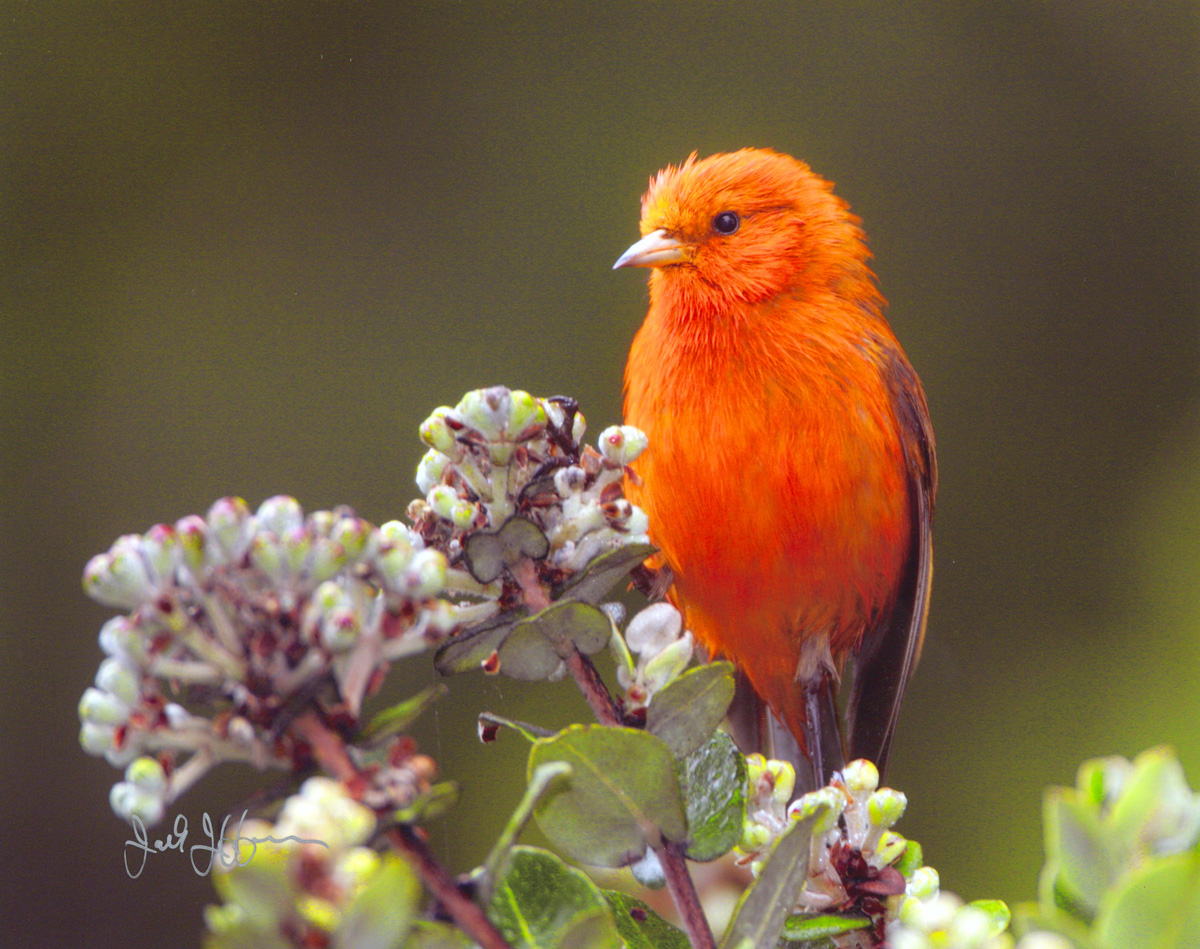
column 656, row 249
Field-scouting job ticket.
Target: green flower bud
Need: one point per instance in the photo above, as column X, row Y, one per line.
column 102, row 708
column 526, row 417
column 328, row 557
column 266, row 553
column 297, row 544
column 486, row 411
column 783, row 776
column 970, row 927
column 128, row 800
column 438, row 435
column 622, row 444
column 430, row 469
column 229, row 527
column 924, row 883
column 354, row 534
column 447, row 504
column 192, row 533
column 886, row 806
column 159, row 552
column 890, row 848
column 860, row 775
column 755, row 836
column 279, row 515
column 826, row 802
column 668, row 663
column 119, row 679
column 119, row 577
column 428, row 568
column 96, row 739
column 147, row 774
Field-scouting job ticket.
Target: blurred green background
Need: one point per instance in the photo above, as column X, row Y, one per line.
column 247, row 247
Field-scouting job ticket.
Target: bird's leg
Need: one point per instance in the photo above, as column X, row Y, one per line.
column 822, row 732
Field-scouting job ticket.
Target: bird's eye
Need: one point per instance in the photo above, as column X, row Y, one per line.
column 726, row 222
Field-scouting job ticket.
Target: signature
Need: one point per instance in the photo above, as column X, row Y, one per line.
column 239, row 852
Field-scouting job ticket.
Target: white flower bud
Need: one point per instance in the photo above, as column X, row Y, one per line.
column 622, row 444
column 653, row 628
column 119, row 679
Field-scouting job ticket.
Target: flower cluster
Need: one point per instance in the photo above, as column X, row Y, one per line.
column 501, row 454
column 859, row 868
column 309, row 880
column 234, row 622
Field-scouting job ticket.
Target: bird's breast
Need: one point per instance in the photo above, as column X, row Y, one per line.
column 774, row 480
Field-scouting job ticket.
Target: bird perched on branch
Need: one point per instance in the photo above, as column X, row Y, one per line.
column 790, row 478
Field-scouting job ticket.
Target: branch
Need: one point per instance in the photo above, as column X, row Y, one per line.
column 684, row 896
column 582, row 670
column 467, row 915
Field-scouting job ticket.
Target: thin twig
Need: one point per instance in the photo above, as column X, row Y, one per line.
column 330, row 753
column 580, row 666
column 593, row 688
column 327, row 746
column 684, row 895
column 468, row 916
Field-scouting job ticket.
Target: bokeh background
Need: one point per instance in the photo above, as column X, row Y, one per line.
column 245, row 248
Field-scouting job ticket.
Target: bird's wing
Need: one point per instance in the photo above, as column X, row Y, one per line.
column 890, row 650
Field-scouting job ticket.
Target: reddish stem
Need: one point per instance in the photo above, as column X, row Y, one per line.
column 684, row 895
column 582, row 670
column 327, row 746
column 467, row 915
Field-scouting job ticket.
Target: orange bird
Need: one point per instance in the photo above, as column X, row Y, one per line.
column 790, row 478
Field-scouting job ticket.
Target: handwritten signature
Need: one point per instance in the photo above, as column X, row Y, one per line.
column 208, row 853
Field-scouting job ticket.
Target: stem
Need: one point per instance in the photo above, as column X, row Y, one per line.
column 327, row 746
column 593, row 688
column 330, row 752
column 466, row 914
column 685, row 897
column 582, row 670
column 679, row 881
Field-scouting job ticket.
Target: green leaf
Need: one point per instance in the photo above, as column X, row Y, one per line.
column 1075, row 848
column 539, row 902
column 541, row 779
column 1154, row 907
column 395, row 719
column 764, row 906
column 1155, row 805
column 536, row 646
column 713, row 781
column 382, row 912
column 687, row 711
column 605, row 572
column 530, row 732
column 468, row 651
column 488, row 554
column 807, row 928
column 621, row 797
column 640, row 926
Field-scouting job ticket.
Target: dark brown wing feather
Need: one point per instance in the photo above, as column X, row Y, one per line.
column 889, row 652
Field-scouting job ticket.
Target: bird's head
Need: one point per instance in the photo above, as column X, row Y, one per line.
column 743, row 227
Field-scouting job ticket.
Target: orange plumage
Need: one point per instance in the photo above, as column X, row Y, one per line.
column 790, row 477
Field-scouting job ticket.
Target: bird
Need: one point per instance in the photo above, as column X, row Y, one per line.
column 791, row 475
